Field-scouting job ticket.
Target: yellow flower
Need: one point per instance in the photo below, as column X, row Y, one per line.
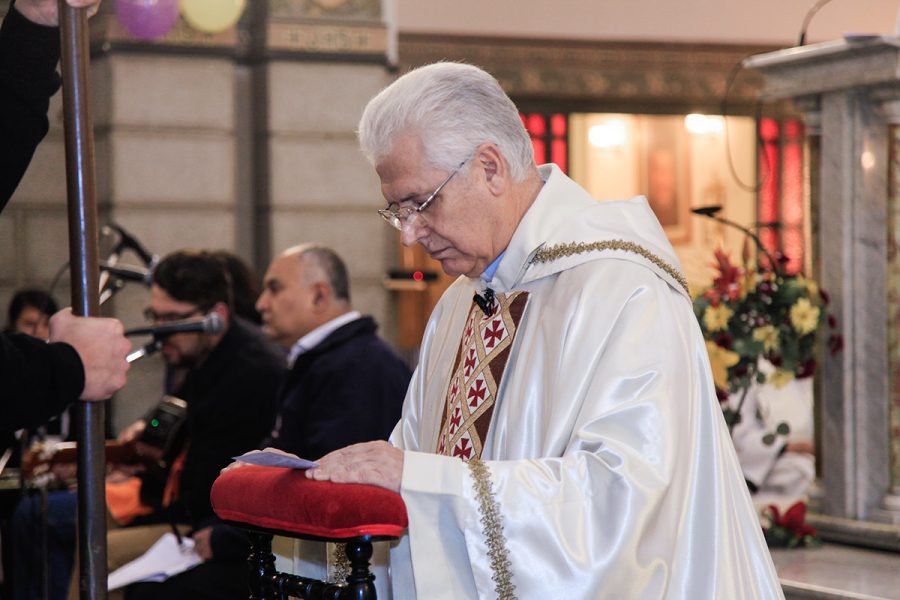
column 720, row 359
column 768, row 335
column 780, row 378
column 812, row 288
column 716, row 317
column 804, row 316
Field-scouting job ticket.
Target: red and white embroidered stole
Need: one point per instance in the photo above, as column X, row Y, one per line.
column 477, row 372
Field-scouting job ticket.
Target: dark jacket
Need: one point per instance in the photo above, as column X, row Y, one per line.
column 37, row 380
column 348, row 389
column 231, row 401
column 28, row 57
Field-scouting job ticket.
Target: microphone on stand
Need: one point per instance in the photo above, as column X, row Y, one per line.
column 211, row 324
column 145, row 350
column 126, row 240
column 128, row 273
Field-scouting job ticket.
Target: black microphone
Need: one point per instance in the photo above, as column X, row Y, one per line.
column 129, row 241
column 485, row 302
column 128, row 273
column 809, row 15
column 211, row 324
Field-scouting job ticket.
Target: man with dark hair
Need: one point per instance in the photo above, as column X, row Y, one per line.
column 230, row 384
column 229, row 381
column 345, row 385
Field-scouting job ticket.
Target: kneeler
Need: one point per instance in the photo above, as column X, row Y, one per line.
column 269, row 501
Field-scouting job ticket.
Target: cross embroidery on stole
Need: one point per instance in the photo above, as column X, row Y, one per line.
column 477, row 372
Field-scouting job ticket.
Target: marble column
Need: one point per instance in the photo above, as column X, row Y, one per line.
column 847, row 82
column 889, row 510
column 812, row 122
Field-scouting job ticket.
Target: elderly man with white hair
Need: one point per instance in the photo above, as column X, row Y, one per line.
column 561, row 437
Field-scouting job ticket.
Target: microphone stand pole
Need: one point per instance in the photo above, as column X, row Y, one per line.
column 83, row 261
column 705, row 212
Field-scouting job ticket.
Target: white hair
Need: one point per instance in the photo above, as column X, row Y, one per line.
column 453, row 108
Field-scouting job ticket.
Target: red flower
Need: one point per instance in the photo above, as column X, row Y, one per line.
column 793, row 520
column 807, row 369
column 727, row 284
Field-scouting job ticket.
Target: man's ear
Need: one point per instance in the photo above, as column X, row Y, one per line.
column 321, row 296
column 496, row 170
column 221, row 309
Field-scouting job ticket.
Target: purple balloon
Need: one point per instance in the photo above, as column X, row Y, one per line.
column 147, row 19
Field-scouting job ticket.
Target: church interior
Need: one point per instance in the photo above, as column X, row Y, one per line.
column 762, row 133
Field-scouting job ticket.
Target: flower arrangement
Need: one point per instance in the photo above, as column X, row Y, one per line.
column 790, row 529
column 751, row 313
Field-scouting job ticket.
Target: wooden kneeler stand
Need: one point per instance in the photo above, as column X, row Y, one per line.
column 268, row 501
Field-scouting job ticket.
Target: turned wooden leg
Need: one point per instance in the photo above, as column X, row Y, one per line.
column 360, row 582
column 261, row 564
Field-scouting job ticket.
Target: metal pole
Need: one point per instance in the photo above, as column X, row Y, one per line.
column 83, row 259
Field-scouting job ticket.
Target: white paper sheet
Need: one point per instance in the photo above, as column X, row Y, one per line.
column 164, row 559
column 271, row 457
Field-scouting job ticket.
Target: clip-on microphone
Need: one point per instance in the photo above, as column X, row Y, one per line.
column 485, row 302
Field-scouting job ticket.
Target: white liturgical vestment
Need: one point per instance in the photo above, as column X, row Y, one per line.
column 606, row 470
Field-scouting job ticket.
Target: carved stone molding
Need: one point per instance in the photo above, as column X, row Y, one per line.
column 358, row 10
column 602, row 75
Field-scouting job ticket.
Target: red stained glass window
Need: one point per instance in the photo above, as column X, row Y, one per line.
column 780, row 197
column 549, row 137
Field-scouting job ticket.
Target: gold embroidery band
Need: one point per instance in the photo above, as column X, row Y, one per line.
column 493, row 531
column 573, row 248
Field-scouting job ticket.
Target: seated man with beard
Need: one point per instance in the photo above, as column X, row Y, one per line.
column 229, row 381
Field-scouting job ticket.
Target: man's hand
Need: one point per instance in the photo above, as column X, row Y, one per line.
column 102, row 347
column 46, row 12
column 203, row 543
column 374, row 463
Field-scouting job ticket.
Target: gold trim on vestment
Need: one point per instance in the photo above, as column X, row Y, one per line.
column 572, row 248
column 493, row 531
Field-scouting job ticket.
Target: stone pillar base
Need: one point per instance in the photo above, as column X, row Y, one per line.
column 889, row 511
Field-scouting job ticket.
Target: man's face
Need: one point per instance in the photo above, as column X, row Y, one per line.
column 287, row 301
column 33, row 322
column 181, row 349
column 454, row 229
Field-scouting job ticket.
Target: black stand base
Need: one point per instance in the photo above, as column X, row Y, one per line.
column 268, row 584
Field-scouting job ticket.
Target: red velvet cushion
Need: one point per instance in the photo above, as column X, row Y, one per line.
column 284, row 499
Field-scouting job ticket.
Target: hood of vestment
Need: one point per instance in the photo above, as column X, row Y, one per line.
column 565, row 227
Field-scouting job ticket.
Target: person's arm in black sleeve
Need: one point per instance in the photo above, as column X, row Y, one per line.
column 29, row 54
column 37, row 379
column 229, row 543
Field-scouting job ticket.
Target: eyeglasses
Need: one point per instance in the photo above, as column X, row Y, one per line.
column 397, row 216
column 155, row 317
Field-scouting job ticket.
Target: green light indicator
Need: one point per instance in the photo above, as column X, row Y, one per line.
column 154, row 422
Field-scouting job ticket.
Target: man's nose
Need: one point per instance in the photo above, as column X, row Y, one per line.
column 412, row 230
